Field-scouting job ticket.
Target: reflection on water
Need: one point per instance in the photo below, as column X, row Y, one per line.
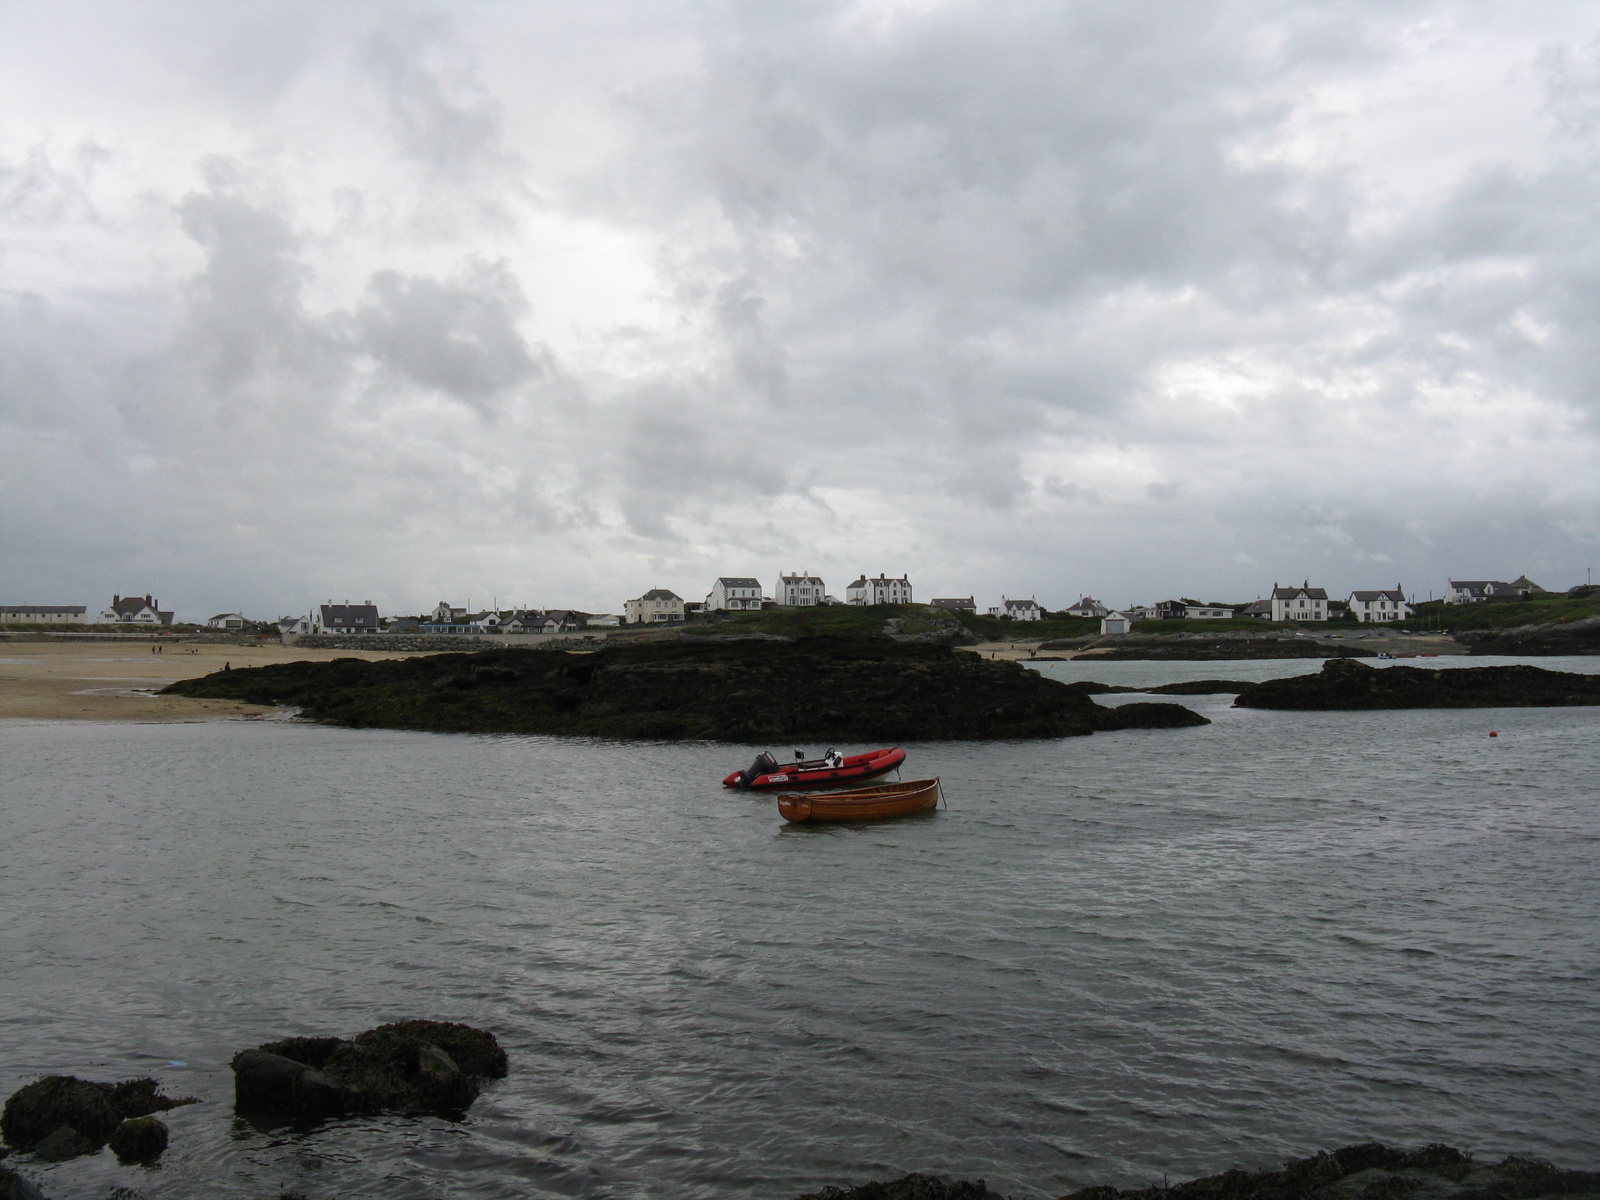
column 1109, row 958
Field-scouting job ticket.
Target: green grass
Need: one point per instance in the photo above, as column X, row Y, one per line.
column 1557, row 608
column 823, row 620
column 999, row 629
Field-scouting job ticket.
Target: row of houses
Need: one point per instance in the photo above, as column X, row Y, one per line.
column 745, row 593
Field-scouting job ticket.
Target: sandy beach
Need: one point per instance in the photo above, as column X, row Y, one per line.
column 116, row 681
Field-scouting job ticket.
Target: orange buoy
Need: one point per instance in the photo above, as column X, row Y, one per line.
column 1493, row 733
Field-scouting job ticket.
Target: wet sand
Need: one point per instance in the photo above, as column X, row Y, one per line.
column 115, row 681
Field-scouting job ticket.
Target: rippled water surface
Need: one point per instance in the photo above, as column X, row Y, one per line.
column 1108, row 959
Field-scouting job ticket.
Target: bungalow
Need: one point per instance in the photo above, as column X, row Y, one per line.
column 1193, row 610
column 227, row 621
column 346, row 618
column 131, row 610
column 1259, row 610
column 1022, row 610
column 1087, row 606
column 738, row 593
column 1388, row 605
column 1139, row 612
column 1114, row 623
column 657, row 606
column 956, row 603
column 1303, row 603
column 42, row 614
column 1171, row 610
column 795, row 591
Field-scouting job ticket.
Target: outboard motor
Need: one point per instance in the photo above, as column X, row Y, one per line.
column 763, row 764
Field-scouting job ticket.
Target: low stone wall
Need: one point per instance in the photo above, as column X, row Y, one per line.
column 424, row 643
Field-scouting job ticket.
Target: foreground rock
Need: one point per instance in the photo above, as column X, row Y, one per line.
column 61, row 1116
column 410, row 1067
column 1374, row 1172
column 1364, row 1172
column 1343, row 684
column 817, row 689
column 16, row 1187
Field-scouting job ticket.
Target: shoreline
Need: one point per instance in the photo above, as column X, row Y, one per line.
column 118, row 681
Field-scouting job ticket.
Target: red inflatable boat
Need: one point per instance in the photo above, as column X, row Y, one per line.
column 830, row 771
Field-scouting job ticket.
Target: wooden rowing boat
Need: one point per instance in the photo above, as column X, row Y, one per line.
column 861, row 804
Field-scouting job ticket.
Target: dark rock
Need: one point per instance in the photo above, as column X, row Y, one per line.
column 35, row 1112
column 909, row 1187
column 406, row 1067
column 1154, row 716
column 752, row 691
column 1342, row 684
column 1374, row 1172
column 1200, row 687
column 140, row 1140
column 17, row 1187
column 63, row 1143
column 1570, row 637
column 272, row 1082
column 1201, row 648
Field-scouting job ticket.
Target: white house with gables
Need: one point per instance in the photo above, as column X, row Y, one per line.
column 1388, row 605
column 1087, row 606
column 132, row 610
column 1303, row 603
column 734, row 593
column 231, row 620
column 798, row 591
column 881, row 590
column 1470, row 591
column 346, row 618
column 1021, row 610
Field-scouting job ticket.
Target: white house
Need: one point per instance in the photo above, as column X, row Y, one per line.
column 1470, row 591
column 1087, row 606
column 561, row 620
column 1379, row 606
column 1139, row 612
column 881, row 590
column 1303, row 603
column 294, row 626
column 42, row 614
column 735, row 594
column 131, row 610
column 346, row 618
column 798, row 591
column 447, row 614
column 226, row 621
column 1022, row 610
column 1194, row 611
column 657, row 606
column 1116, row 622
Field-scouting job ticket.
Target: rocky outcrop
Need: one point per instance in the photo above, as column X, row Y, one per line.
column 909, row 1187
column 1569, row 637
column 816, row 689
column 1342, row 684
column 1374, row 1172
column 408, row 1067
column 62, row 1116
column 1364, row 1172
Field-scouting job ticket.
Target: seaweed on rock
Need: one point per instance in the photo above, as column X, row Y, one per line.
column 815, row 689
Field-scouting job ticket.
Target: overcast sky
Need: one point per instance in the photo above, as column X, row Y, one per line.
column 550, row 303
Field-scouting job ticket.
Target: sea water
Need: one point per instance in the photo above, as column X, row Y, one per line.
column 1107, row 960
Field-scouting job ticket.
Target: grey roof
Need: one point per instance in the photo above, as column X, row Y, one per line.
column 1387, row 594
column 798, row 579
column 731, row 581
column 955, row 602
column 42, row 608
column 660, row 594
column 1290, row 593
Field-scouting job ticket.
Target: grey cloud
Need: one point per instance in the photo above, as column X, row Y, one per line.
column 459, row 337
column 439, row 110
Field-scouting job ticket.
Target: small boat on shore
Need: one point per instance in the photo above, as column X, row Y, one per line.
column 861, row 804
column 832, row 770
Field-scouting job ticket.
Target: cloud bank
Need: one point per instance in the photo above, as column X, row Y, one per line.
column 554, row 304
